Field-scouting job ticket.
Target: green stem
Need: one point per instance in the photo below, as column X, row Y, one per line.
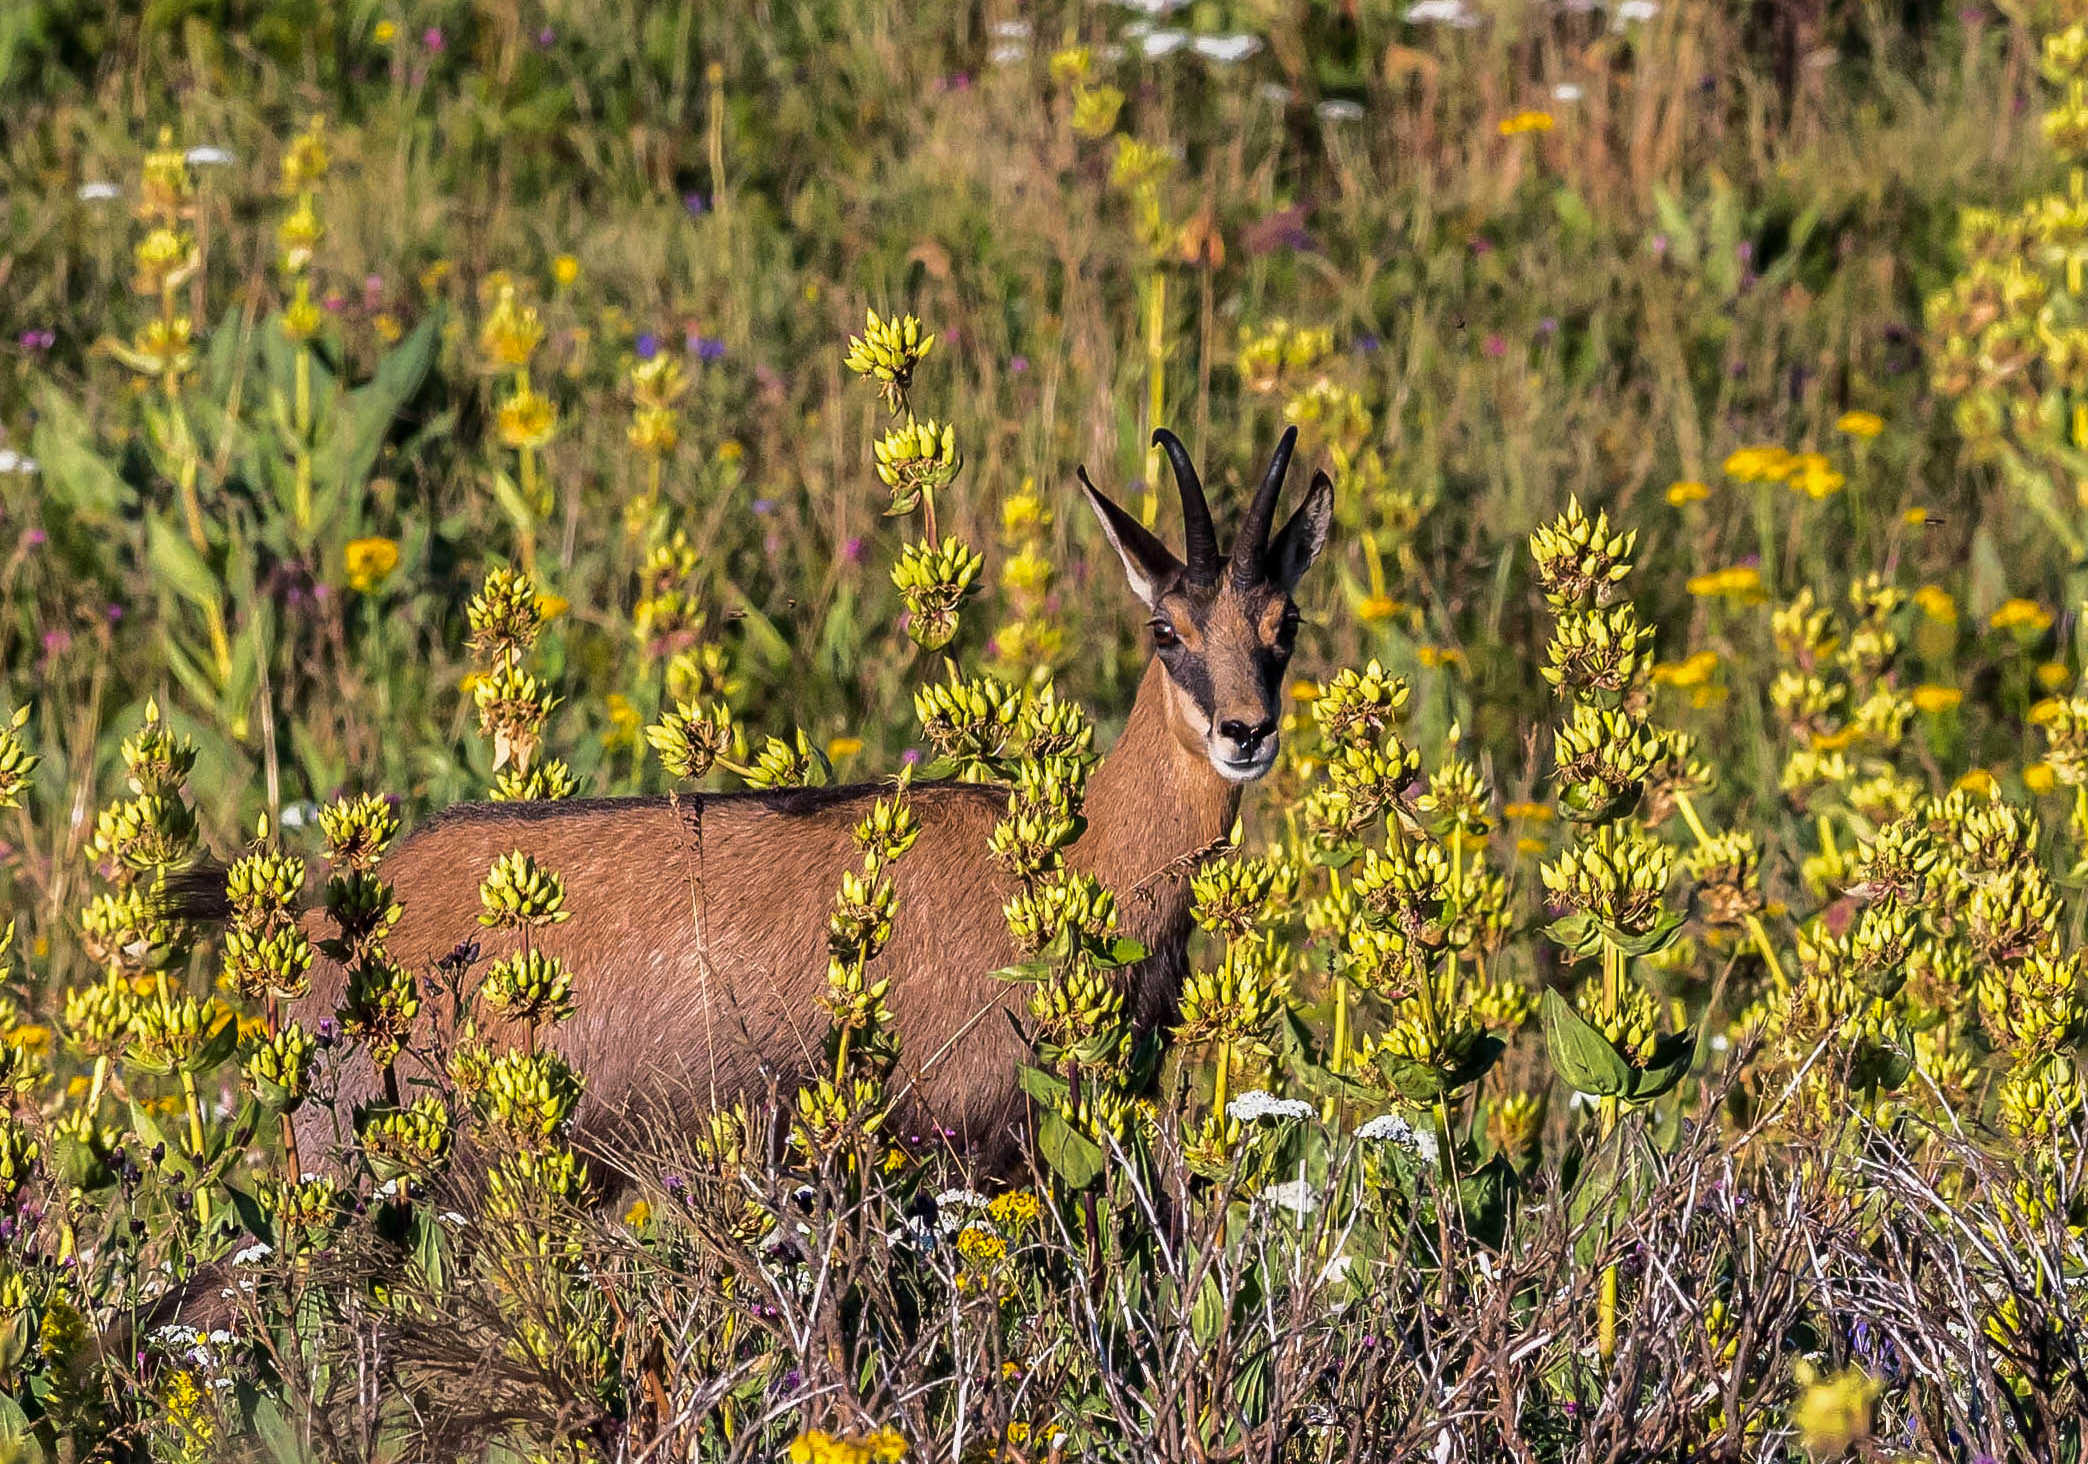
column 193, row 1102
column 302, row 409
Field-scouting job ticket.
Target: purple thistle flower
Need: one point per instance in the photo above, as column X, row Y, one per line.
column 547, row 37
column 648, row 346
column 38, row 340
column 432, row 39
column 707, row 348
column 696, row 203
column 764, row 505
column 1018, row 364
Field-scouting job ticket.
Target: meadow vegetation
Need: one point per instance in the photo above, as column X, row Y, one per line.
column 1639, row 1015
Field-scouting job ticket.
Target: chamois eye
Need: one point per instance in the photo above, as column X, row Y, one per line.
column 1164, row 635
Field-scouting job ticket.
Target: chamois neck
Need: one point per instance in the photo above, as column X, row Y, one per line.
column 1152, row 805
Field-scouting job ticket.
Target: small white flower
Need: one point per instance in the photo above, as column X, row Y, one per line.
column 1009, row 53
column 1153, row 7
column 386, row 1190
column 297, row 816
column 98, row 192
column 175, row 1334
column 1392, row 1128
column 1256, row 1104
column 1340, row 110
column 1111, row 53
column 453, row 1220
column 1635, row 10
column 1163, row 43
column 1226, row 50
column 1566, row 91
column 221, row 1383
column 967, row 1199
column 254, row 1254
column 221, row 1338
column 1441, row 12
column 1294, row 1195
column 1720, row 1042
column 1274, row 92
column 1011, row 30
column 14, row 462
column 209, row 157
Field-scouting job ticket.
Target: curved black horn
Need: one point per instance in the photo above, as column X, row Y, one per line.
column 1200, row 539
column 1253, row 540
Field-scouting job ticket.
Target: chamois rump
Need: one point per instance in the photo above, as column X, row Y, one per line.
column 697, row 938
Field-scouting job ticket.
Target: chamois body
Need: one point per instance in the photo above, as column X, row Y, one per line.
column 697, row 938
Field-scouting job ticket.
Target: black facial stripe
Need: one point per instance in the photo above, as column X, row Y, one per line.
column 1193, row 675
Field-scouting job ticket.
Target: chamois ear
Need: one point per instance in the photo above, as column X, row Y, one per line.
column 1302, row 539
column 1149, row 564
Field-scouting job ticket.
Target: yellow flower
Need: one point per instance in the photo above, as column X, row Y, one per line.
column 527, row 419
column 729, row 451
column 1523, row 122
column 370, row 562
column 840, row 747
column 386, row 32
column 638, row 1214
column 388, row 329
column 1528, row 812
column 1834, row 1413
column 1694, row 671
column 1931, row 698
column 1814, row 477
column 1433, row 656
column 2038, row 777
column 1860, row 424
column 1304, row 691
column 1527, row 845
column 434, row 275
column 1074, row 63
column 1937, row 604
column 1688, row 490
column 565, row 269
column 1376, row 607
column 1915, row 518
column 623, row 721
column 512, row 332
column 1095, row 110
column 2045, row 712
column 1741, row 582
column 2054, row 676
column 1979, row 780
column 1762, row 464
column 550, row 607
column 2021, row 615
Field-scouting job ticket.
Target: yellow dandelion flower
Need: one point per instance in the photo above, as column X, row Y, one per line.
column 840, row 747
column 388, row 328
column 1523, row 122
column 1932, row 698
column 1688, row 490
column 1433, row 656
column 2039, row 777
column 1979, row 781
column 1834, row 1413
column 1527, row 845
column 434, row 275
column 386, row 32
column 565, row 269
column 1937, row 604
column 1304, row 691
column 729, row 451
column 2044, row 713
column 370, row 562
column 1528, row 812
column 1377, row 607
column 1813, row 476
column 1860, row 424
column 2021, row 615
column 638, row 1214
column 1915, row 518
column 512, row 332
column 2054, row 676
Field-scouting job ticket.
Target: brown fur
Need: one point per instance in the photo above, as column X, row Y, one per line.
column 698, row 946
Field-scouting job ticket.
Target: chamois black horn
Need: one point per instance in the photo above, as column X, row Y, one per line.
column 1200, row 539
column 1253, row 541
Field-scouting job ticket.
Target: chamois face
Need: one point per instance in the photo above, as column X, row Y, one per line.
column 1224, row 626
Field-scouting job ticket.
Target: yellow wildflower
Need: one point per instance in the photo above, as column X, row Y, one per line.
column 2039, row 777
column 527, row 419
column 1834, row 1413
column 1376, row 607
column 729, row 451
column 1742, row 582
column 1688, row 490
column 434, row 275
column 1694, row 671
column 840, row 747
column 1931, row 698
column 388, row 328
column 1979, row 780
column 2054, row 676
column 1937, row 604
column 565, row 269
column 1528, row 845
column 2046, row 712
column 638, row 1214
column 1915, row 518
column 370, row 562
column 623, row 720
column 550, row 607
column 386, row 32
column 2021, row 615
column 1304, row 691
column 1528, row 812
column 512, row 332
column 1813, row 476
column 1860, row 424
column 1433, row 656
column 1764, row 464
column 1523, row 122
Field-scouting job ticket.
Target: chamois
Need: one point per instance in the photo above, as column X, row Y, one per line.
column 697, row 936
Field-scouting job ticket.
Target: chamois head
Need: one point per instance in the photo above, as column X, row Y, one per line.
column 1223, row 626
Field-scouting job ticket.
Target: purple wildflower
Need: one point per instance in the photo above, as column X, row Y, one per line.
column 648, row 346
